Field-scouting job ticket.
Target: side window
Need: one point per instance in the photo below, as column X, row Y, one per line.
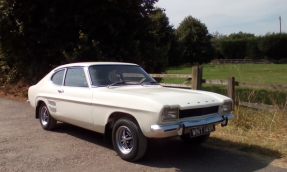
column 75, row 77
column 57, row 78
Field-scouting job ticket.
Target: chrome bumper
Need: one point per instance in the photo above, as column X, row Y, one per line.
column 189, row 124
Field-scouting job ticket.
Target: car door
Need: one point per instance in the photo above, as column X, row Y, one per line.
column 76, row 96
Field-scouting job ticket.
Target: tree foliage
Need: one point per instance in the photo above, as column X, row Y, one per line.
column 240, row 35
column 215, row 40
column 37, row 35
column 233, row 49
column 274, row 46
column 194, row 40
column 252, row 49
column 247, row 46
column 166, row 42
column 160, row 40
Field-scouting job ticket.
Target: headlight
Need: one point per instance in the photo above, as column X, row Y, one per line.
column 227, row 107
column 170, row 114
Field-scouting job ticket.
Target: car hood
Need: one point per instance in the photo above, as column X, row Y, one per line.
column 182, row 98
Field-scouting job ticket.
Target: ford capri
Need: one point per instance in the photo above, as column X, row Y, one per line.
column 121, row 101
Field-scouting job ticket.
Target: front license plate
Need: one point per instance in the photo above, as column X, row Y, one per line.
column 201, row 130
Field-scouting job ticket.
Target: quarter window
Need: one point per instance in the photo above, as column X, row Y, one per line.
column 57, row 78
column 75, row 77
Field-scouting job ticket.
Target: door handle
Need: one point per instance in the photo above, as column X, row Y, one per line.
column 61, row 91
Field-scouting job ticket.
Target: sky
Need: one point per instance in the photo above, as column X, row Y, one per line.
column 230, row 16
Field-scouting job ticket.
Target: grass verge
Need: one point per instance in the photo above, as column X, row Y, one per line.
column 254, row 131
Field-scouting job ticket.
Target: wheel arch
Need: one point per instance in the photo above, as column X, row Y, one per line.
column 38, row 104
column 113, row 117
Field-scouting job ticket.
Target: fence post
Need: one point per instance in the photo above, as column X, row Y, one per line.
column 231, row 88
column 196, row 78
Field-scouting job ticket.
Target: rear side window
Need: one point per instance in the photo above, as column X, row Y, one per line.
column 58, row 77
column 75, row 77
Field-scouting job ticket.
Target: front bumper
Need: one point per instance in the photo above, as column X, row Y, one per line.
column 180, row 127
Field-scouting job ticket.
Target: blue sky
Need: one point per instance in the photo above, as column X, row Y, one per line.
column 230, row 16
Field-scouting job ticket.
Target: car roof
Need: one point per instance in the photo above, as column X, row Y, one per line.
column 83, row 64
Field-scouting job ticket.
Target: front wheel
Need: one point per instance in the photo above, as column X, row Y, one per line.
column 194, row 140
column 46, row 120
column 128, row 139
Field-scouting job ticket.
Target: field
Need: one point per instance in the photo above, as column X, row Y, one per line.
column 253, row 73
column 256, row 73
column 257, row 131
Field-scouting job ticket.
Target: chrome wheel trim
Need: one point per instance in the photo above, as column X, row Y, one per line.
column 44, row 115
column 124, row 139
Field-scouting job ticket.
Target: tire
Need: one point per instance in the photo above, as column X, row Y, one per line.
column 46, row 120
column 128, row 139
column 196, row 141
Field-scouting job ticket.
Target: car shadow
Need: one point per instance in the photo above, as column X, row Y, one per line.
column 173, row 153
column 83, row 134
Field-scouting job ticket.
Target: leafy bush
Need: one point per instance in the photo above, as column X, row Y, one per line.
column 247, row 46
column 252, row 50
column 233, row 49
column 274, row 46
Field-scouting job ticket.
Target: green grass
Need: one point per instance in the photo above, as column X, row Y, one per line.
column 254, row 73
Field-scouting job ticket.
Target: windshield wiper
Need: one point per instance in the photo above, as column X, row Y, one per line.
column 149, row 82
column 118, row 82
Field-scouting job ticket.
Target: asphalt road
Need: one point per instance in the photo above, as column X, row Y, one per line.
column 25, row 146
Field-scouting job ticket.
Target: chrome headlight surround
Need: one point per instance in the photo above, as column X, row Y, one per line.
column 170, row 114
column 227, row 107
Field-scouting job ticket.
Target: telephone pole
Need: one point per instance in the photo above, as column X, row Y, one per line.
column 280, row 23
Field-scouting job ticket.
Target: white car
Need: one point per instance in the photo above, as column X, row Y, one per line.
column 123, row 102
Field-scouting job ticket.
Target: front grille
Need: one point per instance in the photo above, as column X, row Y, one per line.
column 197, row 112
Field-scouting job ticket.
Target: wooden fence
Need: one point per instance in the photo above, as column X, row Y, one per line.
column 196, row 84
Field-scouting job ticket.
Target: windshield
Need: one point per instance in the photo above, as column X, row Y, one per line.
column 104, row 75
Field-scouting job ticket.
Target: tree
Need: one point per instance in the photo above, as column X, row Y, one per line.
column 37, row 35
column 215, row 41
column 238, row 46
column 194, row 40
column 240, row 35
column 165, row 43
column 273, row 46
column 233, row 49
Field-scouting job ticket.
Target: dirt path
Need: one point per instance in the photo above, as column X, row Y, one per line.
column 25, row 146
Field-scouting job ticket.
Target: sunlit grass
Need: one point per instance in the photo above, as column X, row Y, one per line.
column 255, row 73
column 258, row 131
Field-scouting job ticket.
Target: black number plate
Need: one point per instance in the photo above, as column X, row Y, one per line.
column 201, row 130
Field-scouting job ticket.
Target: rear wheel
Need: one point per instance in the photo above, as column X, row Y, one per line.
column 128, row 139
column 194, row 140
column 46, row 120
